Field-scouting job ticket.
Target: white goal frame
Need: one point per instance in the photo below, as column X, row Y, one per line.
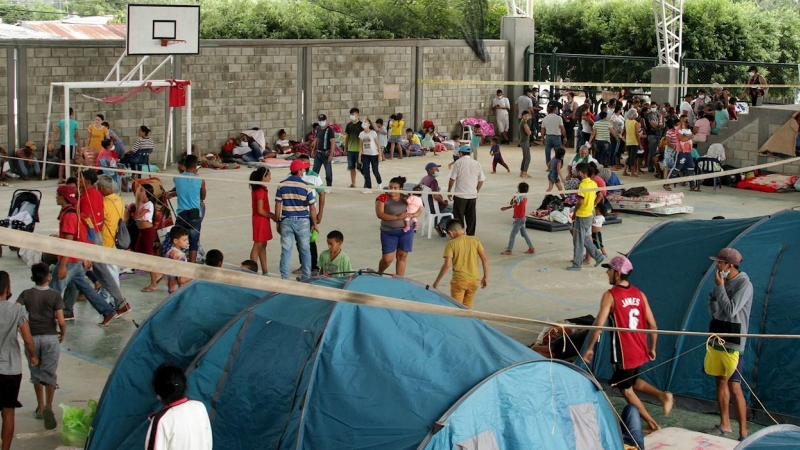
column 125, row 84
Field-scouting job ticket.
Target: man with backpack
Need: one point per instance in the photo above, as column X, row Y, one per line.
column 113, row 222
column 72, row 270
column 91, row 206
column 323, row 148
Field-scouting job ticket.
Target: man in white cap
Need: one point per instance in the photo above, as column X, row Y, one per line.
column 729, row 304
column 625, row 306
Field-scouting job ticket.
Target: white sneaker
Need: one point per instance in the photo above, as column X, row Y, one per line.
column 366, row 191
column 126, row 270
column 328, row 191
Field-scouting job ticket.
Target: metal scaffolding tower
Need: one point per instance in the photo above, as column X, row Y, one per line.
column 669, row 31
column 519, row 8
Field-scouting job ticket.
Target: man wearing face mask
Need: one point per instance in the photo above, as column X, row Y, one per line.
column 699, row 104
column 323, row 148
column 729, row 304
column 352, row 143
column 501, row 107
column 759, row 89
column 653, row 126
column 429, row 180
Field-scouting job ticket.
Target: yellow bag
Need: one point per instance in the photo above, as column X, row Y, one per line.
column 719, row 363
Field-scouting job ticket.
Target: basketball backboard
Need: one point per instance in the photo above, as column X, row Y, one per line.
column 163, row 30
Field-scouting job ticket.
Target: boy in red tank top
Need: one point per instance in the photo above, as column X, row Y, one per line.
column 625, row 306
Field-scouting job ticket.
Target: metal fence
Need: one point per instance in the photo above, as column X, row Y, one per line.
column 619, row 70
column 698, row 71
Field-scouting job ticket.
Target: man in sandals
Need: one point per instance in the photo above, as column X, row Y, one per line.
column 625, row 306
column 729, row 304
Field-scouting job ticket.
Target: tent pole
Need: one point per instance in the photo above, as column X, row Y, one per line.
column 47, row 133
column 188, row 119
column 68, row 152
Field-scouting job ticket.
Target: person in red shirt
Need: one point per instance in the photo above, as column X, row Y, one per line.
column 91, row 207
column 72, row 270
column 625, row 306
column 520, row 204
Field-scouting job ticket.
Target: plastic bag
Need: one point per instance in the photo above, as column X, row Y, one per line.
column 75, row 423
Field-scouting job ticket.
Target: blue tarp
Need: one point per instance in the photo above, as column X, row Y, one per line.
column 280, row 371
column 672, row 267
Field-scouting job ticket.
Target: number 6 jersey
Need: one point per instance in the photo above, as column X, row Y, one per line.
column 628, row 350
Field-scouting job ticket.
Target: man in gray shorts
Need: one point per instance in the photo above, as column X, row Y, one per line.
column 45, row 308
column 13, row 319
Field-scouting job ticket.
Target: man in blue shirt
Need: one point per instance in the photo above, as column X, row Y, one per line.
column 191, row 193
column 295, row 206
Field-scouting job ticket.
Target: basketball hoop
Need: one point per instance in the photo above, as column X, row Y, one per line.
column 166, row 42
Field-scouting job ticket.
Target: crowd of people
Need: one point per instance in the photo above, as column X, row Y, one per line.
column 655, row 137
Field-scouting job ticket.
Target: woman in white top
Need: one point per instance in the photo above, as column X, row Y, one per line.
column 583, row 156
column 282, row 144
column 369, row 155
column 145, row 244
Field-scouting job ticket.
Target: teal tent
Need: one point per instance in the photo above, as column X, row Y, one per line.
column 281, row 371
column 672, row 267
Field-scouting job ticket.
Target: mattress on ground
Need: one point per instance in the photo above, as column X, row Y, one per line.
column 662, row 210
column 680, row 438
column 535, row 223
column 627, row 204
column 271, row 163
column 769, row 183
column 656, row 196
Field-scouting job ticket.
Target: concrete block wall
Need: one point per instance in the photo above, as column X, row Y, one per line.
column 447, row 104
column 237, row 88
column 40, row 66
column 269, row 84
column 741, row 148
column 345, row 77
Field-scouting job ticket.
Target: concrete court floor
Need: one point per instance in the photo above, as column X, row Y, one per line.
column 534, row 286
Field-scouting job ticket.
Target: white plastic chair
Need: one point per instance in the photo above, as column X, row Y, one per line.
column 429, row 220
column 466, row 132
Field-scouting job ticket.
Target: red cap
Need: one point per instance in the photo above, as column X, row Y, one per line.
column 298, row 165
column 68, row 192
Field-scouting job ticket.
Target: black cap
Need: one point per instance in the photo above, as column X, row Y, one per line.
column 322, row 117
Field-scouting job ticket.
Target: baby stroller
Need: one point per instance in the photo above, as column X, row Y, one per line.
column 23, row 213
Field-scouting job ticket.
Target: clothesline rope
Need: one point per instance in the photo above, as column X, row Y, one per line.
column 621, row 187
column 108, row 255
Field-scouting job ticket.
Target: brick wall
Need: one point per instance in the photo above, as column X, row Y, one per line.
column 243, row 84
column 447, row 104
column 82, row 63
column 237, row 88
column 345, row 77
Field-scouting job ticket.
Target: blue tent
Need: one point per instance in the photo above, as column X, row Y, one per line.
column 776, row 437
column 281, row 371
column 672, row 267
column 522, row 406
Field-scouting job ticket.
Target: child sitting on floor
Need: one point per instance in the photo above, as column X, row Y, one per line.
column 334, row 261
column 413, row 204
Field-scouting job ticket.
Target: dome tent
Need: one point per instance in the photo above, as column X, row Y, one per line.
column 672, row 267
column 297, row 372
column 776, row 437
